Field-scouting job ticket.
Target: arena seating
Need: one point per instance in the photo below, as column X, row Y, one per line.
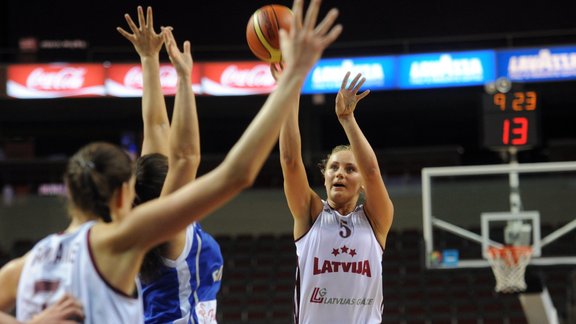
column 259, row 270
column 259, row 274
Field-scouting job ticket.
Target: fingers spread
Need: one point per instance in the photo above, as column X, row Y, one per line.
column 332, row 36
column 353, row 83
column 141, row 20
column 131, row 23
column 359, row 85
column 327, row 22
column 124, row 33
column 345, row 81
column 312, row 14
column 149, row 19
column 363, row 94
column 297, row 17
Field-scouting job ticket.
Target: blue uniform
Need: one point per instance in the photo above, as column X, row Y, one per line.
column 186, row 289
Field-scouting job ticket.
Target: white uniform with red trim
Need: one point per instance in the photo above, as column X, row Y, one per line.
column 63, row 263
column 339, row 275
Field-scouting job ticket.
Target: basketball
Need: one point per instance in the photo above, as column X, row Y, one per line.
column 262, row 31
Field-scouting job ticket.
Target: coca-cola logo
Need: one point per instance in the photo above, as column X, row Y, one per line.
column 168, row 77
column 62, row 79
column 257, row 76
column 134, row 77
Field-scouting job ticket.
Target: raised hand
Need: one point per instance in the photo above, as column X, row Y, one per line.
column 182, row 61
column 347, row 97
column 145, row 40
column 303, row 45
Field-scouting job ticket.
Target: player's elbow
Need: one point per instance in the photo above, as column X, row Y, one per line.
column 242, row 176
column 290, row 161
column 372, row 173
column 242, row 181
column 186, row 158
column 390, row 209
column 287, row 160
column 249, row 177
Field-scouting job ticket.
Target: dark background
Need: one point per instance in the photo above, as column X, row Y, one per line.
column 408, row 129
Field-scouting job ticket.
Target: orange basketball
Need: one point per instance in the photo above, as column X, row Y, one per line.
column 262, row 31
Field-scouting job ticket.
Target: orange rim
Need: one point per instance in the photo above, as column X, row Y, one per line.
column 509, row 253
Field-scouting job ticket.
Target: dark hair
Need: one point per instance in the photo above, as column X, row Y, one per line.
column 151, row 170
column 93, row 174
column 336, row 149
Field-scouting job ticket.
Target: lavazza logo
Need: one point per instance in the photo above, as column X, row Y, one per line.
column 321, row 296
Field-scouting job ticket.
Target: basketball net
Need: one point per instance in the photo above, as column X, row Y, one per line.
column 509, row 266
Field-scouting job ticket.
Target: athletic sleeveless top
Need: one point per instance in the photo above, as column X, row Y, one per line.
column 63, row 263
column 339, row 274
column 192, row 281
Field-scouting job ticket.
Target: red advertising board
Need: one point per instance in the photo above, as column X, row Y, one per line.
column 237, row 78
column 125, row 80
column 55, row 80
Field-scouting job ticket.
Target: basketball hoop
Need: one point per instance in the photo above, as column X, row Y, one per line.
column 509, row 266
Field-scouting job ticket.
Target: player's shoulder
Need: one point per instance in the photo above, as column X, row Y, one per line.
column 13, row 267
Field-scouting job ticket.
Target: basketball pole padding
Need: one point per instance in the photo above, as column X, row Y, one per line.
column 538, row 307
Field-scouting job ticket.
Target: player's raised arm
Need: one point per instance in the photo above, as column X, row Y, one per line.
column 378, row 206
column 303, row 202
column 184, row 139
column 148, row 44
column 105, row 253
column 301, row 48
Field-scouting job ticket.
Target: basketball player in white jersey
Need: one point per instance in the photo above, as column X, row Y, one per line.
column 156, row 125
column 184, row 148
column 339, row 242
column 98, row 259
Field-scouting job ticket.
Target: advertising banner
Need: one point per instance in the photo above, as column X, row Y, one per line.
column 538, row 64
column 237, row 78
column 450, row 69
column 125, row 80
column 55, row 80
column 327, row 75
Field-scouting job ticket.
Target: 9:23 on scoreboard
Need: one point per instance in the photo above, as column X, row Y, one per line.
column 511, row 119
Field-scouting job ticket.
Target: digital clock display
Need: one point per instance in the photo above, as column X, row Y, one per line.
column 511, row 119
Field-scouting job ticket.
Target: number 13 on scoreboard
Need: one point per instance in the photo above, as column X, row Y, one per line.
column 517, row 134
column 511, row 119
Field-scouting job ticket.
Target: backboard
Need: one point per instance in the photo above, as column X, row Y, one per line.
column 466, row 209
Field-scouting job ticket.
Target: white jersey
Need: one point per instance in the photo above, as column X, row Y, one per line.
column 339, row 275
column 63, row 263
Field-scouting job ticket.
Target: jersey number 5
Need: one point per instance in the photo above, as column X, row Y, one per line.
column 345, row 231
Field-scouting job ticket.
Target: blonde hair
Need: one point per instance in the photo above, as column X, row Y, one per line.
column 336, row 149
